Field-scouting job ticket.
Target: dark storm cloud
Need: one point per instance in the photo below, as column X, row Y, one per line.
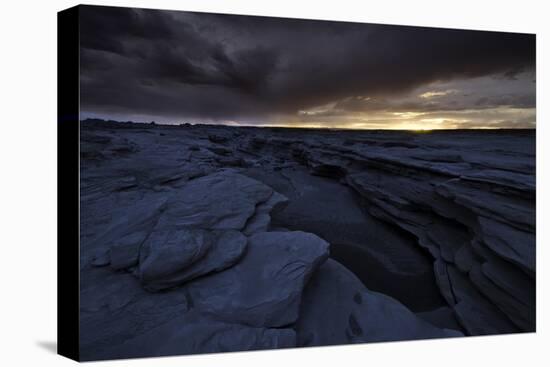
column 221, row 66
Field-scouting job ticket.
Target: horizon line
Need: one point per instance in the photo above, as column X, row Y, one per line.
column 269, row 126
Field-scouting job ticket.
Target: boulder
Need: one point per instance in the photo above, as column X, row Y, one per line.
column 264, row 289
column 167, row 252
column 338, row 309
column 189, row 255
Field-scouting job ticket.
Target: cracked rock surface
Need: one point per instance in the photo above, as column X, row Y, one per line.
column 200, row 239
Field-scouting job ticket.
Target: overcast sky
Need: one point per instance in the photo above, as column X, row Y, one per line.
column 175, row 67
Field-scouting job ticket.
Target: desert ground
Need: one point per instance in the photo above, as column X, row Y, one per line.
column 200, row 239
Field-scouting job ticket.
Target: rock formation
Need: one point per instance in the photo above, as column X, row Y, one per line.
column 314, row 238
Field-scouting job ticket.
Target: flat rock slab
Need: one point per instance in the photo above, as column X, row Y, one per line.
column 443, row 317
column 521, row 313
column 108, row 328
column 224, row 200
column 474, row 312
column 191, row 333
column 264, row 289
column 124, row 222
column 511, row 211
column 125, row 252
column 510, row 243
column 107, row 290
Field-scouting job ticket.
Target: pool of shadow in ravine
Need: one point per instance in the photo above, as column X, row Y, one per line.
column 384, row 257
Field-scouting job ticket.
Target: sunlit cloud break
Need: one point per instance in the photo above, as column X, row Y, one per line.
column 432, row 94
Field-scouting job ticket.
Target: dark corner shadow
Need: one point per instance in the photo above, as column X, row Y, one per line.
column 50, row 346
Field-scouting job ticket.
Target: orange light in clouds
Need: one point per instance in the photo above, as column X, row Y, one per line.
column 410, row 120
